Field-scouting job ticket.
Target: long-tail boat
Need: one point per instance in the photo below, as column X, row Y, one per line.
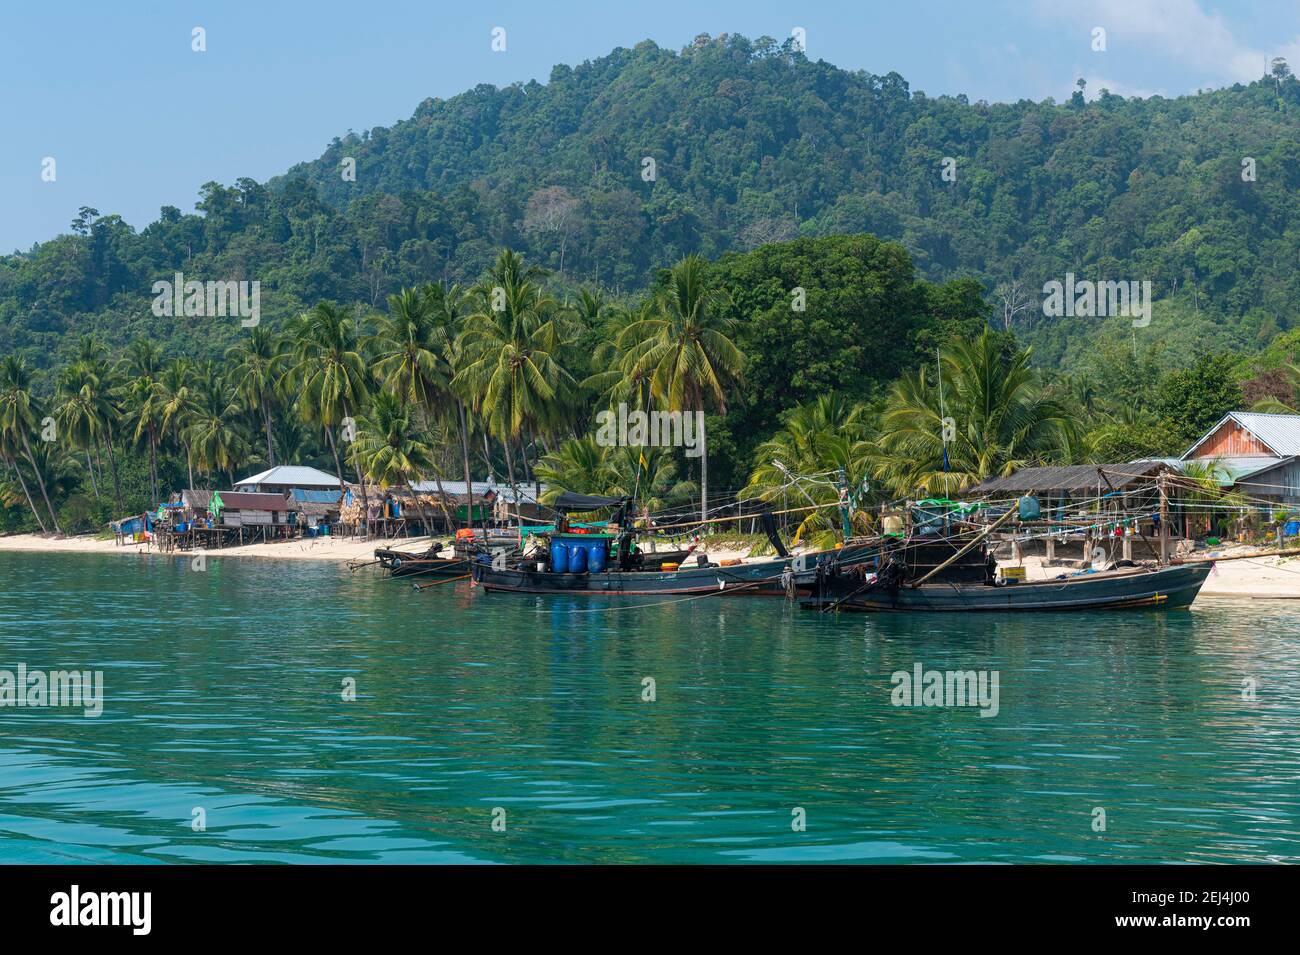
column 401, row 563
column 947, row 571
column 584, row 560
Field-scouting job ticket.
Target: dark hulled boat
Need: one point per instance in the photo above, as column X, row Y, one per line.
column 760, row 577
column 950, row 575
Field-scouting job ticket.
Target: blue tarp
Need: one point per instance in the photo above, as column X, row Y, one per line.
column 315, row 497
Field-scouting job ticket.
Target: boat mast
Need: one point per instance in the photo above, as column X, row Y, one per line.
column 943, row 421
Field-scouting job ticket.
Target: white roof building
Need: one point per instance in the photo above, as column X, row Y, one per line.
column 287, row 477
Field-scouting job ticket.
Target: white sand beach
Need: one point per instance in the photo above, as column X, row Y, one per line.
column 320, row 548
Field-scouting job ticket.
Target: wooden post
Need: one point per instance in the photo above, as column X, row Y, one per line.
column 1164, row 521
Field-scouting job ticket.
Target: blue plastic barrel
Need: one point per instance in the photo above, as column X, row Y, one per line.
column 559, row 557
column 1292, row 529
column 597, row 551
column 578, row 558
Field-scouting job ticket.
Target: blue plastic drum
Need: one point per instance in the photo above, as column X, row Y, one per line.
column 578, row 558
column 597, row 552
column 559, row 557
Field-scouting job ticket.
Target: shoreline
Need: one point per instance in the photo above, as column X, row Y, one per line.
column 320, row 548
column 1263, row 578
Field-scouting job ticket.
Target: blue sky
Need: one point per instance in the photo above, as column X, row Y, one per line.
column 135, row 119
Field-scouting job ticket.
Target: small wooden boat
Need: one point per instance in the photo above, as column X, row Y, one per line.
column 428, row 564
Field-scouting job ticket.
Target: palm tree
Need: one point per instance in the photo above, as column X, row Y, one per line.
column 623, row 381
column 411, row 357
column 581, row 466
column 391, row 449
column 330, row 376
column 685, row 348
column 92, row 353
column 819, row 441
column 141, row 365
column 445, row 305
column 18, row 417
column 77, row 412
column 255, row 371
column 1291, row 372
column 214, row 434
column 511, row 345
column 177, row 402
column 999, row 420
column 8, row 450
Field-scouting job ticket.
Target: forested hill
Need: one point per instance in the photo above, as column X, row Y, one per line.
column 751, row 143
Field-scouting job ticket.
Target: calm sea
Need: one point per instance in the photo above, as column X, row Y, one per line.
column 497, row 728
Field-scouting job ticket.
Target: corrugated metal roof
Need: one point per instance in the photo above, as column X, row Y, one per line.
column 527, row 492
column 1281, row 432
column 1228, row 471
column 290, row 476
column 453, row 487
column 1073, row 478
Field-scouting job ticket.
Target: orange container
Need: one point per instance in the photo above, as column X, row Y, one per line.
column 669, row 566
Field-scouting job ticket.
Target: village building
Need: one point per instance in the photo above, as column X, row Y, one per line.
column 283, row 479
column 1255, row 454
column 1078, row 506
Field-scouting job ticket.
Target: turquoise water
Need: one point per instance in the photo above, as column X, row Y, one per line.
column 223, row 693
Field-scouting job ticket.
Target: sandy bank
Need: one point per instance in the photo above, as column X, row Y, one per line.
column 321, row 548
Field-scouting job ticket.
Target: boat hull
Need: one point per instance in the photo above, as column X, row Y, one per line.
column 1169, row 588
column 760, row 578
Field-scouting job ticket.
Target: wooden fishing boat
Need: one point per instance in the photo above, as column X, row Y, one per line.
column 604, row 558
column 951, row 575
column 428, row 564
column 661, row 573
column 759, row 577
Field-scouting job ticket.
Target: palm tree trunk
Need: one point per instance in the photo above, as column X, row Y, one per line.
column 424, row 514
column 112, row 463
column 510, row 473
column 266, row 418
column 90, row 466
column 356, row 468
column 464, row 458
column 442, row 503
column 26, row 493
column 153, row 464
column 338, row 466
column 189, row 463
column 704, row 478
column 40, row 479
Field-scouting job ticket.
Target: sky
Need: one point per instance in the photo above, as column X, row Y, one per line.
column 135, row 118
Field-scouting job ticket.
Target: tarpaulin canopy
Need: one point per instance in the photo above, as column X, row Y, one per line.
column 568, row 501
